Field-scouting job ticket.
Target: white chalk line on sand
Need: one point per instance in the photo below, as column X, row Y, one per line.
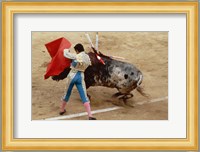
column 103, row 110
column 83, row 114
column 153, row 100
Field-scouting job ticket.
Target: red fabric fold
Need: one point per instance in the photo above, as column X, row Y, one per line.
column 58, row 62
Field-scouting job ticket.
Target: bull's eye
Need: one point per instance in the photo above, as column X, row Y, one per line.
column 125, row 76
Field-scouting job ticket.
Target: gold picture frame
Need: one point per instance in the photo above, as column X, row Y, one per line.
column 11, row 8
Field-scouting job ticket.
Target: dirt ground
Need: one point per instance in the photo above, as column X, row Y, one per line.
column 148, row 51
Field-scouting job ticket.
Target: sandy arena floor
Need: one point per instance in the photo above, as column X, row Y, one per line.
column 147, row 50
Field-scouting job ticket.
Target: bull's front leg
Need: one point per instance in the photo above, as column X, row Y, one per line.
column 126, row 97
column 117, row 94
column 123, row 98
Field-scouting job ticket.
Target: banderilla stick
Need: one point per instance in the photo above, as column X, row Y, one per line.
column 88, row 37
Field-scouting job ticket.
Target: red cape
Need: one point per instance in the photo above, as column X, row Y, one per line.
column 58, row 62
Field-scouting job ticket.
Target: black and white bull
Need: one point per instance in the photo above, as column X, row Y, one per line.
column 125, row 77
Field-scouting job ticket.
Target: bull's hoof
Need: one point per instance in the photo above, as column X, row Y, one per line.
column 125, row 100
column 128, row 104
column 127, row 96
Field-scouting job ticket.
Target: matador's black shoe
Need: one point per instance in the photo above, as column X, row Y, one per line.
column 92, row 118
column 61, row 113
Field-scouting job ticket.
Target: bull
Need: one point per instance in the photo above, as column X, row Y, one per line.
column 125, row 77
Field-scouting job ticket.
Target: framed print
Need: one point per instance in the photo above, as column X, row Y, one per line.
column 135, row 66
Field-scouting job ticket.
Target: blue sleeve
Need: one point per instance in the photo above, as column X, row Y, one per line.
column 74, row 63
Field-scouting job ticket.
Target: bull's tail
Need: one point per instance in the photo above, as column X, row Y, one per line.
column 141, row 89
column 142, row 92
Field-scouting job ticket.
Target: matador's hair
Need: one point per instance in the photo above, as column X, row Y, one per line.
column 79, row 47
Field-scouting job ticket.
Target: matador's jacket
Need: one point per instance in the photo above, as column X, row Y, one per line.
column 79, row 64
